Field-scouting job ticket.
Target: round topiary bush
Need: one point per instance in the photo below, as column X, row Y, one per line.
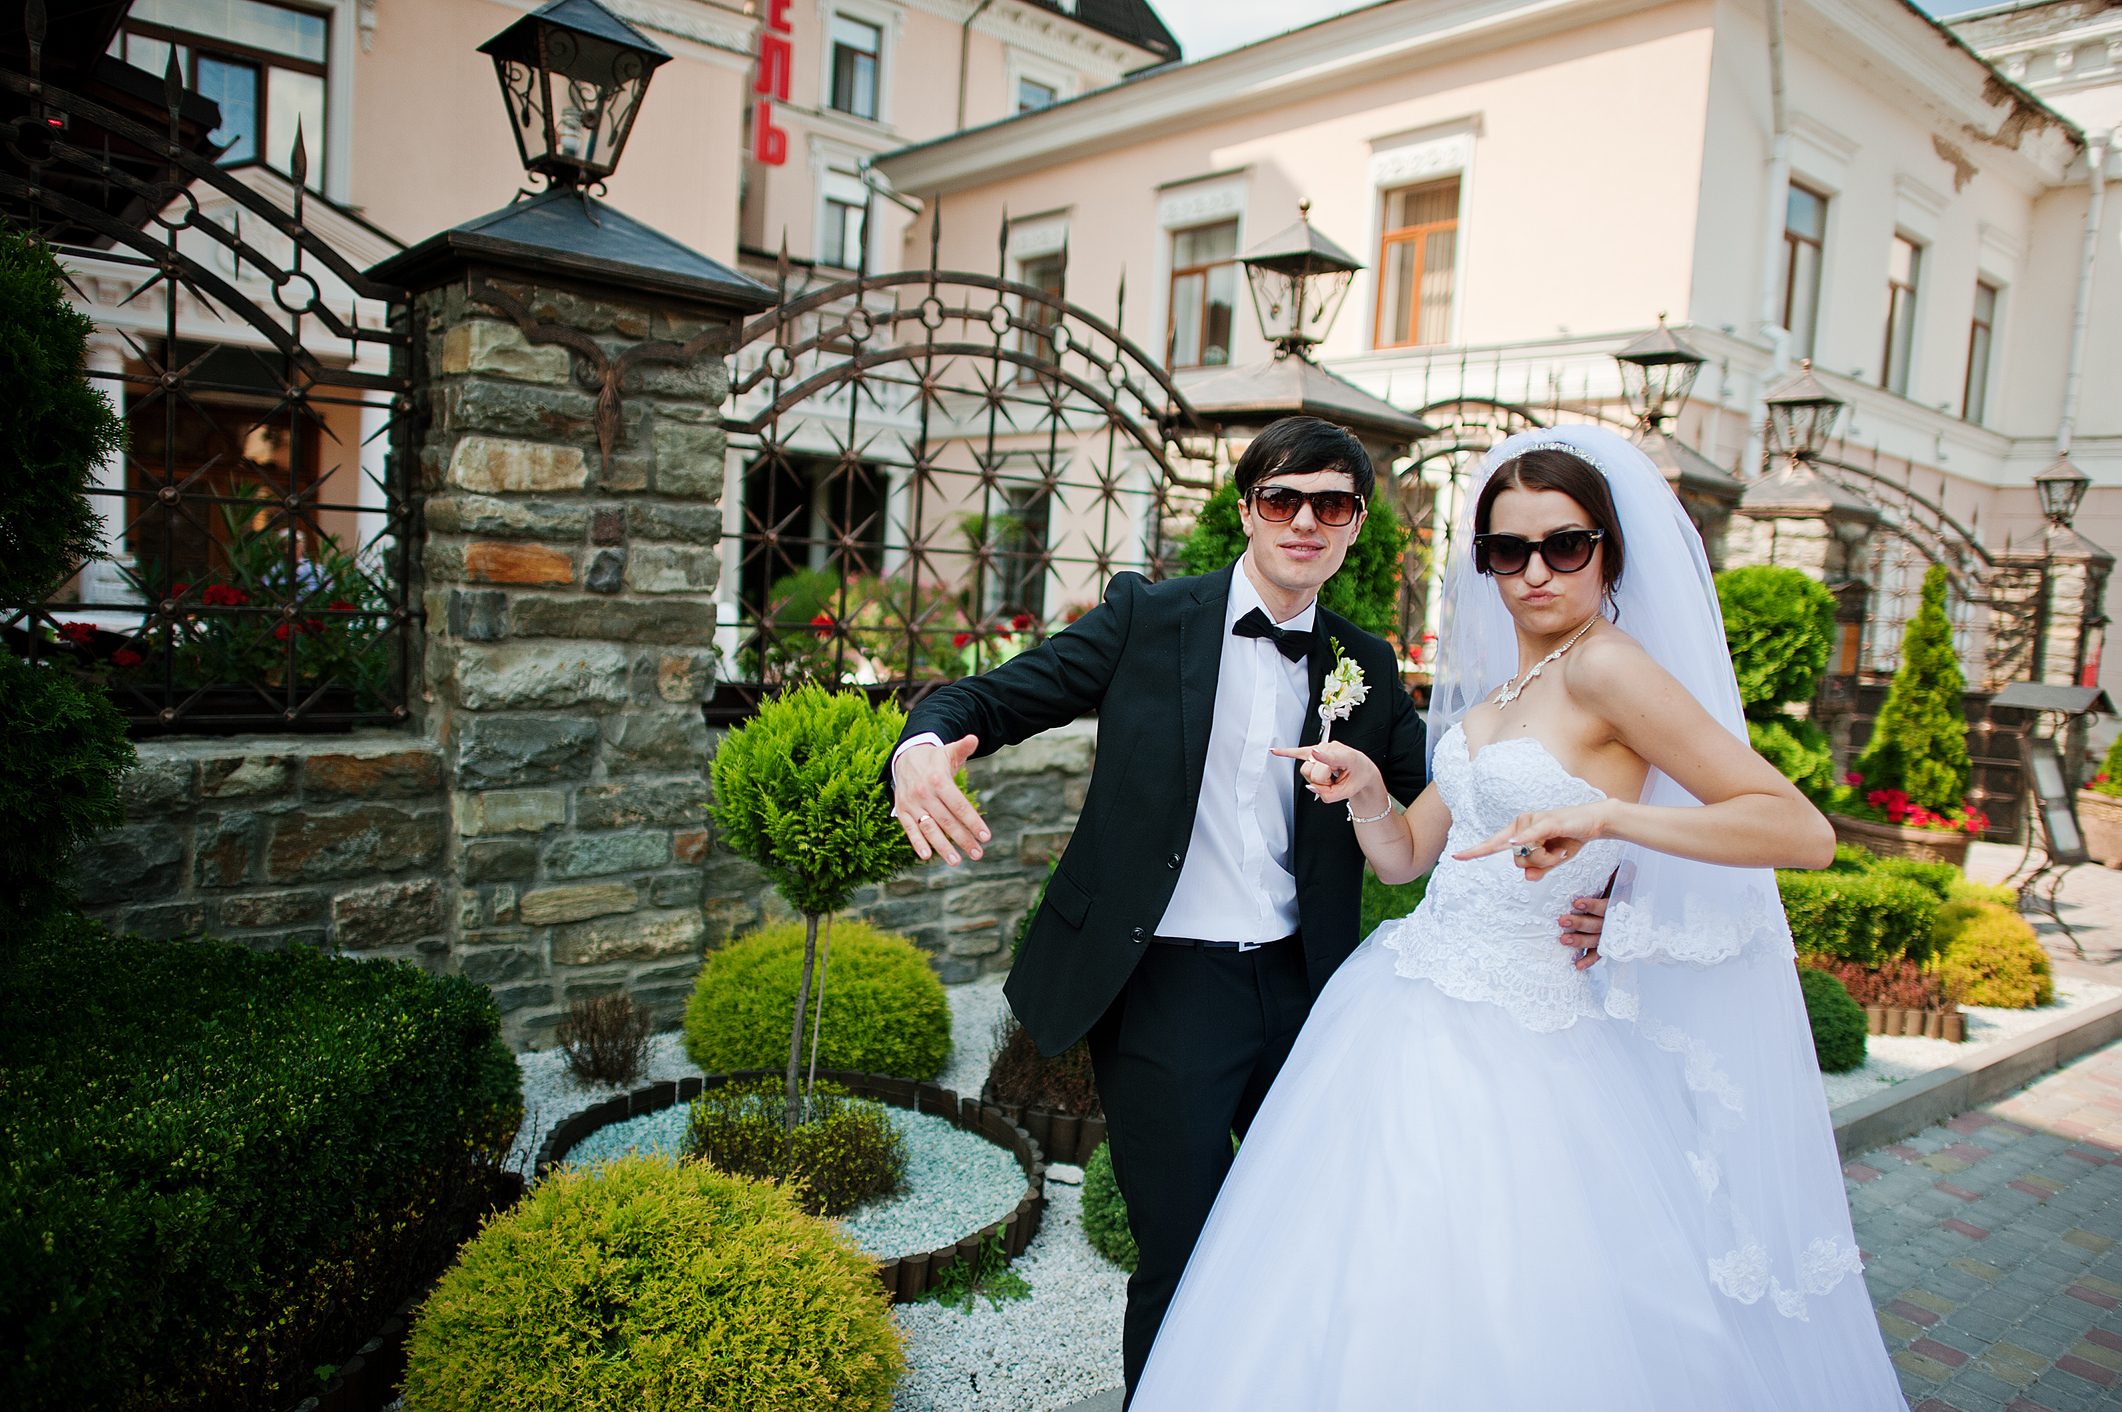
column 1105, row 1211
column 650, row 1286
column 843, row 1152
column 1780, row 626
column 1838, row 1021
column 1988, row 955
column 1798, row 749
column 884, row 1008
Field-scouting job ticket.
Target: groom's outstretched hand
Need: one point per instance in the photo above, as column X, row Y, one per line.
column 928, row 804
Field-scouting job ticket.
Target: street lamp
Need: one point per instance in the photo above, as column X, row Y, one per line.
column 573, row 75
column 1801, row 414
column 1658, row 372
column 2061, row 488
column 1298, row 279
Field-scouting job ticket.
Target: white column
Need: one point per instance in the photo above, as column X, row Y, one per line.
column 105, row 579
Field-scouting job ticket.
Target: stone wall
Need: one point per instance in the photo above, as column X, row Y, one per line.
column 331, row 842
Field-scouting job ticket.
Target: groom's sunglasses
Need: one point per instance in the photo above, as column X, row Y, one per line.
column 1564, row 551
column 1278, row 504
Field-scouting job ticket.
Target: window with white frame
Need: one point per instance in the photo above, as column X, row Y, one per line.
column 1047, row 273
column 1974, row 394
column 1904, row 267
column 1032, row 94
column 1804, row 241
column 1204, row 295
column 840, row 243
column 1418, row 264
column 857, row 58
column 264, row 64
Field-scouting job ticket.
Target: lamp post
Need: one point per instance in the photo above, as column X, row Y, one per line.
column 1299, row 279
column 1802, row 415
column 573, row 75
column 1658, row 374
column 2061, row 488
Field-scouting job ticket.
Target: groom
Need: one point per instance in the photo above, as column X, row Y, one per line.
column 1205, row 897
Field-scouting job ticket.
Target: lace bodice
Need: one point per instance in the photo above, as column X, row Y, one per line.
column 1483, row 932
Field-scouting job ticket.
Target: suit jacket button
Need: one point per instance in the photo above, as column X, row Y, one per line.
column 1173, row 860
column 1139, row 934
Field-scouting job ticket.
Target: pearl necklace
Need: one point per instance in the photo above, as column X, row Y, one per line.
column 1516, row 689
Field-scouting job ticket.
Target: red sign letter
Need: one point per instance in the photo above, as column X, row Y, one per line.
column 769, row 143
column 776, row 58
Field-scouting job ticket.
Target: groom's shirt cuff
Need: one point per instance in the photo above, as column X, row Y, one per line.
column 925, row 738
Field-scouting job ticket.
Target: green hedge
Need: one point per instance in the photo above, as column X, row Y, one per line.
column 1867, row 917
column 1105, row 1211
column 885, row 1010
column 223, row 1166
column 646, row 1285
column 1838, row 1022
column 1988, row 955
column 61, row 753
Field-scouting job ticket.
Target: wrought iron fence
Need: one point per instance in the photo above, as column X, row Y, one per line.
column 934, row 470
column 258, row 521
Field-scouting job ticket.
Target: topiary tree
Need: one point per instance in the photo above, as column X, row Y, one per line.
column 890, row 1014
column 799, row 790
column 1919, row 742
column 646, row 1285
column 1366, row 589
column 1780, row 628
column 57, row 430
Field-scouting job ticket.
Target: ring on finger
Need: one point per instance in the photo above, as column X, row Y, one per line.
column 1522, row 852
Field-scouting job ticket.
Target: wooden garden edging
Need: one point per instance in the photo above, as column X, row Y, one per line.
column 907, row 1277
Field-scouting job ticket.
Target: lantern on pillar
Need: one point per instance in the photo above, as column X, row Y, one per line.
column 573, row 75
column 1658, row 373
column 1802, row 415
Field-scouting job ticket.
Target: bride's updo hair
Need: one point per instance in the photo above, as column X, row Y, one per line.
column 1550, row 468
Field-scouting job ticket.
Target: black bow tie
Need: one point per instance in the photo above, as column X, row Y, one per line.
column 1293, row 643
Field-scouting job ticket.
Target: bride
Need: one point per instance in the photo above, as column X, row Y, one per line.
column 1493, row 1176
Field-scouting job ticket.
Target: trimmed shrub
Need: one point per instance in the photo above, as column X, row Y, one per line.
column 224, row 1166
column 1838, row 1022
column 1867, row 917
column 1018, row 1076
column 1919, row 741
column 843, row 1152
column 1968, row 890
column 62, row 750
column 57, row 430
column 884, row 1009
column 645, row 1285
column 1904, row 983
column 2109, row 779
column 1780, row 626
column 1988, row 955
column 605, row 1038
column 1105, row 1211
column 1366, row 589
column 1798, row 749
column 1382, row 902
column 1940, row 880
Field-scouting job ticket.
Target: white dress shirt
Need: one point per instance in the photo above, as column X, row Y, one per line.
column 1238, row 882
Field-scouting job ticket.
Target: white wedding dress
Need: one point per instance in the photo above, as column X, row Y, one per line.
column 1471, row 1188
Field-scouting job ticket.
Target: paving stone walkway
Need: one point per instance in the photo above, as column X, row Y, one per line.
column 1994, row 1248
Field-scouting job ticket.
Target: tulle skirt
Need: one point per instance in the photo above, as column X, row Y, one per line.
column 1438, row 1208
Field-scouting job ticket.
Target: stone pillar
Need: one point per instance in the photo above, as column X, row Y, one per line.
column 2070, row 623
column 1797, row 518
column 569, row 599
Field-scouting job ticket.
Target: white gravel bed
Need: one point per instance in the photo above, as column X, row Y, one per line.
column 975, row 1008
column 551, row 1094
column 1891, row 1059
column 1058, row 1346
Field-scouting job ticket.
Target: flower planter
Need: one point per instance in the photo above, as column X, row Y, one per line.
column 1894, row 841
column 2100, row 816
column 905, row 1277
column 1949, row 1024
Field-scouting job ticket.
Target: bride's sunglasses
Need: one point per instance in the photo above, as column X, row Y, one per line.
column 1278, row 504
column 1564, row 551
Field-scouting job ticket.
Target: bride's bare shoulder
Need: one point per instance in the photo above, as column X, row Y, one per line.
column 1609, row 664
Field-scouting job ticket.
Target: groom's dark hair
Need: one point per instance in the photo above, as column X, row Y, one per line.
column 1298, row 446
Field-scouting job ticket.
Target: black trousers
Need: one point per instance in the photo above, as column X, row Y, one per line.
column 1183, row 1058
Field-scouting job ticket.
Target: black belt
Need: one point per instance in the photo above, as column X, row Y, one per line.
column 1195, row 941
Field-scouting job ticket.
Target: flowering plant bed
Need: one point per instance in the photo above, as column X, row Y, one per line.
column 905, row 1278
column 2100, row 815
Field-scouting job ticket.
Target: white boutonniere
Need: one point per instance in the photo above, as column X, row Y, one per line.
column 1342, row 693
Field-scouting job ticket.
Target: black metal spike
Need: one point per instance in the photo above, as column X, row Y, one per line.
column 172, row 86
column 33, row 28
column 935, row 235
column 298, row 163
column 1002, row 246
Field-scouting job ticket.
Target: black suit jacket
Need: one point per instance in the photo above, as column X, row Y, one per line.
column 1146, row 660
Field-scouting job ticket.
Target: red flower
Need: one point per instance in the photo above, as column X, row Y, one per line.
column 1021, row 623
column 822, row 625
column 340, row 605
column 1853, row 779
column 127, row 658
column 224, row 595
column 2100, row 778
column 178, row 590
column 80, row 634
column 960, row 639
column 283, row 630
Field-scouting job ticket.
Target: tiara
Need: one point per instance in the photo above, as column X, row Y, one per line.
column 1577, row 451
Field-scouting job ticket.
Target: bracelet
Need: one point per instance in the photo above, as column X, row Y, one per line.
column 1385, row 813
